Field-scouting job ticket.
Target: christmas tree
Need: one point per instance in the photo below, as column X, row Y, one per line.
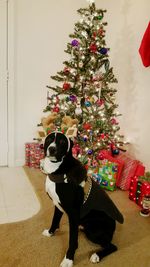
column 84, row 94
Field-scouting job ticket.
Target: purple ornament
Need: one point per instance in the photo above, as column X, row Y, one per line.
column 85, row 138
column 90, row 152
column 75, row 42
column 103, row 51
column 73, row 98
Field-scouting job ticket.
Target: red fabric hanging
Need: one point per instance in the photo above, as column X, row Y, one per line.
column 144, row 49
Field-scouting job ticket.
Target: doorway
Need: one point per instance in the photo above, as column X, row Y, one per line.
column 3, row 82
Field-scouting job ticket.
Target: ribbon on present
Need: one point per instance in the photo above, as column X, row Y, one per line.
column 146, row 177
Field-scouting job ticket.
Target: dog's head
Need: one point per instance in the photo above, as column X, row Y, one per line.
column 57, row 146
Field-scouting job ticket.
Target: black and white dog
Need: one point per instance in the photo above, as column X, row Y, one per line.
column 80, row 197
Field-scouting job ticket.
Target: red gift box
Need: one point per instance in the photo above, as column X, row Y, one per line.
column 140, row 170
column 129, row 170
column 33, row 154
column 106, row 155
column 139, row 187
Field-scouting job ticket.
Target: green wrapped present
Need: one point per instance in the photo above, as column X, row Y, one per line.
column 107, row 174
column 107, row 182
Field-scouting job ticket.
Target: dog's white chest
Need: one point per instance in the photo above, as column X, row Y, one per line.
column 50, row 188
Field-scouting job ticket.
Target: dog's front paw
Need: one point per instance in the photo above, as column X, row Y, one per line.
column 66, row 263
column 94, row 258
column 46, row 233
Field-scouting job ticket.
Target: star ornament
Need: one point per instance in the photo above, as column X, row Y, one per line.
column 90, row 1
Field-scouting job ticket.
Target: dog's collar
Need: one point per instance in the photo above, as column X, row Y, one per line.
column 49, row 166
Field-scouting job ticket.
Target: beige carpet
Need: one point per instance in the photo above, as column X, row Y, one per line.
column 22, row 244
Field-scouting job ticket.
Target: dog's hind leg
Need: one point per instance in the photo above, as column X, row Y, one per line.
column 55, row 223
column 98, row 256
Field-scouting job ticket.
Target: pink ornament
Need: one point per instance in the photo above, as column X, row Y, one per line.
column 76, row 150
column 113, row 121
column 94, row 163
column 101, row 31
column 66, row 70
column 100, row 102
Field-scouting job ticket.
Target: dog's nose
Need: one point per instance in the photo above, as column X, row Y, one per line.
column 52, row 150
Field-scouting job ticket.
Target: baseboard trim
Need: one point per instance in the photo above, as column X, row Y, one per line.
column 19, row 162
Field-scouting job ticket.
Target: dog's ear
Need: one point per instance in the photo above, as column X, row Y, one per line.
column 71, row 146
column 46, row 144
column 45, row 147
column 71, row 143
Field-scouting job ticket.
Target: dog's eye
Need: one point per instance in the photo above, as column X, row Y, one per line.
column 62, row 142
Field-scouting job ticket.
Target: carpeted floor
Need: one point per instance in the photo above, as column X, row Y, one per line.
column 22, row 244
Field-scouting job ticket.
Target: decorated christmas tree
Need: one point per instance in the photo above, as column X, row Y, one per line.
column 82, row 104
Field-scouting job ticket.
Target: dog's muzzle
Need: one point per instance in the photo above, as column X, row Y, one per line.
column 52, row 151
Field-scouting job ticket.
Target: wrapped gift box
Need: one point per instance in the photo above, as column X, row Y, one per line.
column 108, row 171
column 120, row 163
column 139, row 187
column 33, row 154
column 105, row 174
column 131, row 167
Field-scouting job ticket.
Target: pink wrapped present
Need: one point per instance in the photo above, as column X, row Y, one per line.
column 130, row 166
column 33, row 155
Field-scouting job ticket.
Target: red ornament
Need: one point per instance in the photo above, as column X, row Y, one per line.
column 100, row 156
column 56, row 109
column 93, row 48
column 112, row 146
column 66, row 86
column 86, row 166
column 102, row 136
column 87, row 126
column 94, row 35
column 41, row 146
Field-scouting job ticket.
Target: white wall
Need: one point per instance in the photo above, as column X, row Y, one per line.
column 41, row 34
